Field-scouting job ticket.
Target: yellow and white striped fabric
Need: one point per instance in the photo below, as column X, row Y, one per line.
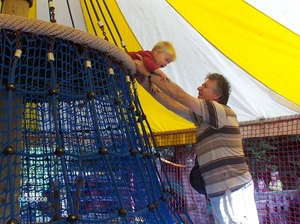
column 254, row 43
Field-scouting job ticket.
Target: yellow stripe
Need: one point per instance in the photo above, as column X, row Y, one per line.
column 171, row 138
column 31, row 112
column 32, row 121
column 261, row 46
column 160, row 119
column 124, row 30
column 31, row 12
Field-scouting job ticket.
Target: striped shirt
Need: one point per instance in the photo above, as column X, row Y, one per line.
column 219, row 148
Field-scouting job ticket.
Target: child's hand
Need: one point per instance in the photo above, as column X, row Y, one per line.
column 153, row 88
column 164, row 77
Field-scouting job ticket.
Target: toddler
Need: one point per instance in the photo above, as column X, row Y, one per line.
column 160, row 56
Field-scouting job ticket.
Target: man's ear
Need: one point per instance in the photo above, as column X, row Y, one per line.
column 218, row 96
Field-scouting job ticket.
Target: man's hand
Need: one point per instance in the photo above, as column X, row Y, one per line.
column 140, row 66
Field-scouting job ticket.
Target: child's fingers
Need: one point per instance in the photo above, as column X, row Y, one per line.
column 165, row 78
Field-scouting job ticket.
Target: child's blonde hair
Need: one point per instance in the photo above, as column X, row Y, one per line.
column 166, row 47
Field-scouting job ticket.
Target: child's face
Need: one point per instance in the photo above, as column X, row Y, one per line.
column 261, row 185
column 273, row 177
column 162, row 59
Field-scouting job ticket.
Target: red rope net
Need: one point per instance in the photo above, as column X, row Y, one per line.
column 271, row 149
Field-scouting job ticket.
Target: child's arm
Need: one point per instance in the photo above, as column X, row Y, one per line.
column 151, row 66
column 161, row 74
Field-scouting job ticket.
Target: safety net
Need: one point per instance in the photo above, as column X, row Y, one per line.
column 271, row 148
column 74, row 146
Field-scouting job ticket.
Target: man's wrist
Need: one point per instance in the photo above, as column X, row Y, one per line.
column 150, row 76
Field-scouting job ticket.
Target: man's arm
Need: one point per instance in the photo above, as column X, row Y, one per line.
column 165, row 100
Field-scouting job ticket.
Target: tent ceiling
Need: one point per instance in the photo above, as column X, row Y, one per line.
column 255, row 45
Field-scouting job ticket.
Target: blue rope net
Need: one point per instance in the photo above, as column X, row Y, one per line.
column 71, row 148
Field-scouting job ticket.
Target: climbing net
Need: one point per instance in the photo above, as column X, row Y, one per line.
column 73, row 134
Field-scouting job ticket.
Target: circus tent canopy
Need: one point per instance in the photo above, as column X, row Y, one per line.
column 255, row 44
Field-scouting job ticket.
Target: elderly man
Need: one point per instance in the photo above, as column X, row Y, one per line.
column 219, row 151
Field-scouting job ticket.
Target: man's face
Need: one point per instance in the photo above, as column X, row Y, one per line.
column 207, row 90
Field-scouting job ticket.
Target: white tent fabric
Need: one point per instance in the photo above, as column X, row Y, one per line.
column 285, row 12
column 62, row 14
column 154, row 20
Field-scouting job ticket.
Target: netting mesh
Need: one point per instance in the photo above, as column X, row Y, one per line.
column 70, row 140
column 270, row 146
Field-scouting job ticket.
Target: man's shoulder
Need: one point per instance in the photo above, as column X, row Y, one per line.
column 229, row 111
